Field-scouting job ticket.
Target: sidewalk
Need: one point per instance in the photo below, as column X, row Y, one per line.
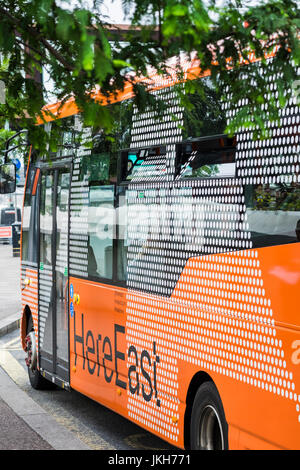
column 16, row 434
column 10, row 291
column 24, row 425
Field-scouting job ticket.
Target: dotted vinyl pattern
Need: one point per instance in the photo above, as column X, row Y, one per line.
column 45, row 292
column 79, row 199
column 29, row 295
column 194, row 281
column 190, row 253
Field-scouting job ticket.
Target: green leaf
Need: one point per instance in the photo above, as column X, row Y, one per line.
column 43, row 8
column 178, row 10
column 170, row 27
column 121, row 63
column 88, row 53
column 82, row 17
column 105, row 43
column 65, row 23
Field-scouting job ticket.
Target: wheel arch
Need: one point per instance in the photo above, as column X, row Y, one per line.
column 198, row 379
column 26, row 314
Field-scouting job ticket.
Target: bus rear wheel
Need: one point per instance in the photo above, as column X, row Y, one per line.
column 208, row 427
column 37, row 381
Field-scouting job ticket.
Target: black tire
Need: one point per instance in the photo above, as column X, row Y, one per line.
column 208, row 427
column 37, row 381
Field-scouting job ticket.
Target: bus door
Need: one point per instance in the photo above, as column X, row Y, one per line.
column 53, row 272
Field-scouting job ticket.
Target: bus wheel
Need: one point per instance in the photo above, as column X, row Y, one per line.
column 209, row 429
column 36, row 380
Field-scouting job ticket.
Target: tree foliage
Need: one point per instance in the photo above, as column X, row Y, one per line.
column 81, row 52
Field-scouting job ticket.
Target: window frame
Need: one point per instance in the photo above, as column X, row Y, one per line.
column 123, row 161
column 178, row 161
column 114, row 281
column 99, row 278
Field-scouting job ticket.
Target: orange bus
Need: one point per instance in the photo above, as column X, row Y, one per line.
column 161, row 272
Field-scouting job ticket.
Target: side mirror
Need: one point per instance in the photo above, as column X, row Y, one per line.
column 7, row 178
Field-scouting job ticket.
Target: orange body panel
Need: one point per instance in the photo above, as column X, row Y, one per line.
column 245, row 334
column 279, row 367
column 30, row 299
column 93, row 324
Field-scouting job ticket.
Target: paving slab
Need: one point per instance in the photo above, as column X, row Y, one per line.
column 28, row 424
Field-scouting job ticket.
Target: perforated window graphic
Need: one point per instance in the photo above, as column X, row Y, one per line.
column 212, row 310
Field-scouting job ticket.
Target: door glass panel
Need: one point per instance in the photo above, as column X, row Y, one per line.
column 61, row 264
column 45, row 268
column 101, row 231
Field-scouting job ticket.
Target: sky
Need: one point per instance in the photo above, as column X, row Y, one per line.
column 112, row 8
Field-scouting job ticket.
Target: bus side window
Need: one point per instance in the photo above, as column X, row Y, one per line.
column 99, row 170
column 101, row 231
column 142, row 163
column 273, row 213
column 207, row 157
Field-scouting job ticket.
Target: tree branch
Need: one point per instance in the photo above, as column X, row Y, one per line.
column 36, row 35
